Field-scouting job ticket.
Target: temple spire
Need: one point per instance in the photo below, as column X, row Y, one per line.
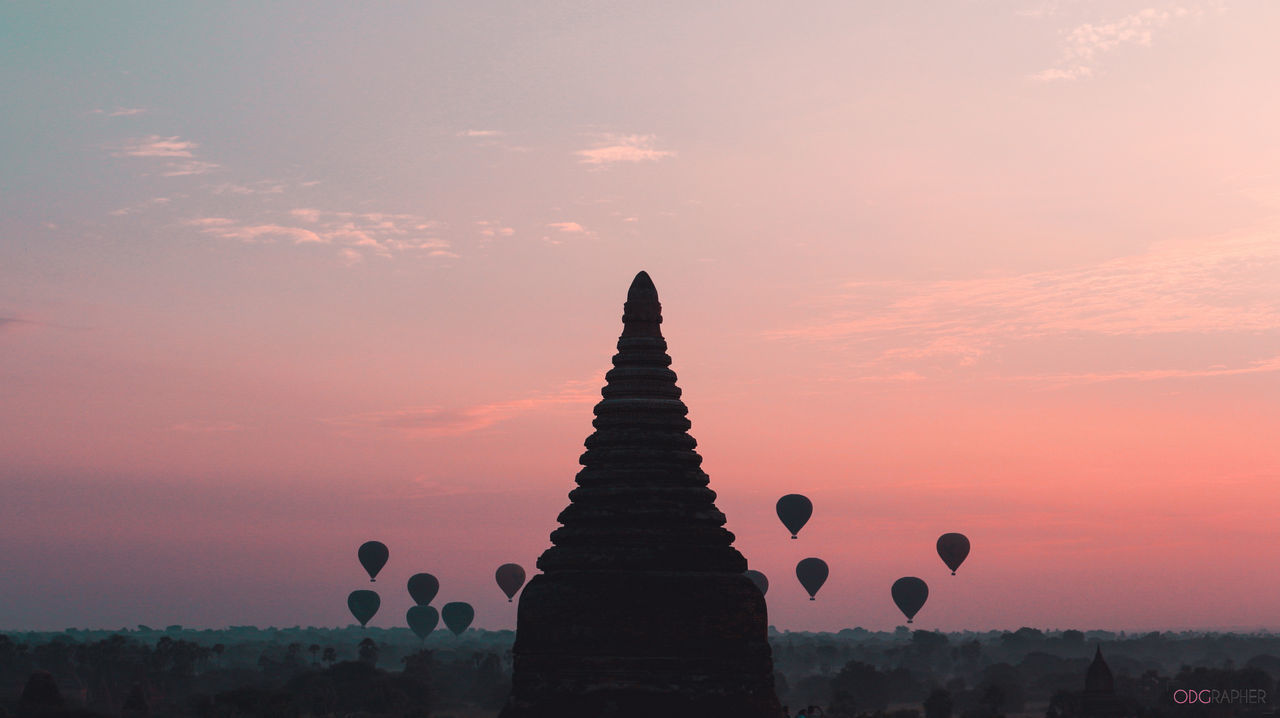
column 642, row 607
column 642, row 313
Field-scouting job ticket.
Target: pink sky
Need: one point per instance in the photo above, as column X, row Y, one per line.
column 1004, row 268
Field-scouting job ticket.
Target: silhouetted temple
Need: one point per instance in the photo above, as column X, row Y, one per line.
column 1098, row 680
column 642, row 608
column 1099, row 698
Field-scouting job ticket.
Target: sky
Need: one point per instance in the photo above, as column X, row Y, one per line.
column 275, row 281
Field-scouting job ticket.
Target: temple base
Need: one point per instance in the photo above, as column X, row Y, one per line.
column 642, row 645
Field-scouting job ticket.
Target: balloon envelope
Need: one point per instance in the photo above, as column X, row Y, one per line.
column 953, row 548
column 510, row 578
column 422, row 619
column 373, row 556
column 457, row 616
column 812, row 573
column 363, row 604
column 759, row 580
column 794, row 510
column 423, row 587
column 910, row 594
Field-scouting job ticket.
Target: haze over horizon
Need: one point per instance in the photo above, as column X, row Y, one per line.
column 275, row 282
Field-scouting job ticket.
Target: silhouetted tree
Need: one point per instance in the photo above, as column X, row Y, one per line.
column 858, row 688
column 928, row 642
column 293, row 655
column 41, row 692
column 135, row 704
column 368, row 652
column 938, row 704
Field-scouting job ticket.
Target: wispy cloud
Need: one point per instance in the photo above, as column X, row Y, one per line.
column 1051, row 381
column 1084, row 45
column 251, row 188
column 189, row 167
column 140, row 206
column 179, row 154
column 15, row 323
column 445, row 421
column 566, row 228
column 354, row 232
column 1215, row 286
column 610, row 149
column 156, row 146
column 488, row 228
column 230, row 229
column 492, row 138
column 121, row 111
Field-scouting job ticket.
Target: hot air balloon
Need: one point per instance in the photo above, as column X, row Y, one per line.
column 457, row 616
column 812, row 573
column 423, row 587
column 794, row 510
column 373, row 556
column 759, row 580
column 423, row 620
column 510, row 578
column 909, row 593
column 953, row 548
column 363, row 605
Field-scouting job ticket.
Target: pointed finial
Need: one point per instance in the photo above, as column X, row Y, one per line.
column 642, row 313
column 642, row 286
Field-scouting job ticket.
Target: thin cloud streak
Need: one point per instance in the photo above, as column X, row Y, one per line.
column 179, row 153
column 140, row 206
column 253, row 188
column 121, row 112
column 1054, row 381
column 440, row 421
column 381, row 233
column 156, row 146
column 489, row 229
column 612, row 149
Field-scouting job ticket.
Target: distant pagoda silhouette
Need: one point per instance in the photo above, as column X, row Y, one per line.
column 642, row 608
column 1099, row 699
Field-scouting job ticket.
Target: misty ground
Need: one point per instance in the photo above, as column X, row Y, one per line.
column 247, row 671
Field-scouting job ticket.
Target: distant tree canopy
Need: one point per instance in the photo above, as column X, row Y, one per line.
column 851, row 673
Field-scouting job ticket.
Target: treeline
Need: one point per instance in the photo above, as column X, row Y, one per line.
column 248, row 672
column 1024, row 672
